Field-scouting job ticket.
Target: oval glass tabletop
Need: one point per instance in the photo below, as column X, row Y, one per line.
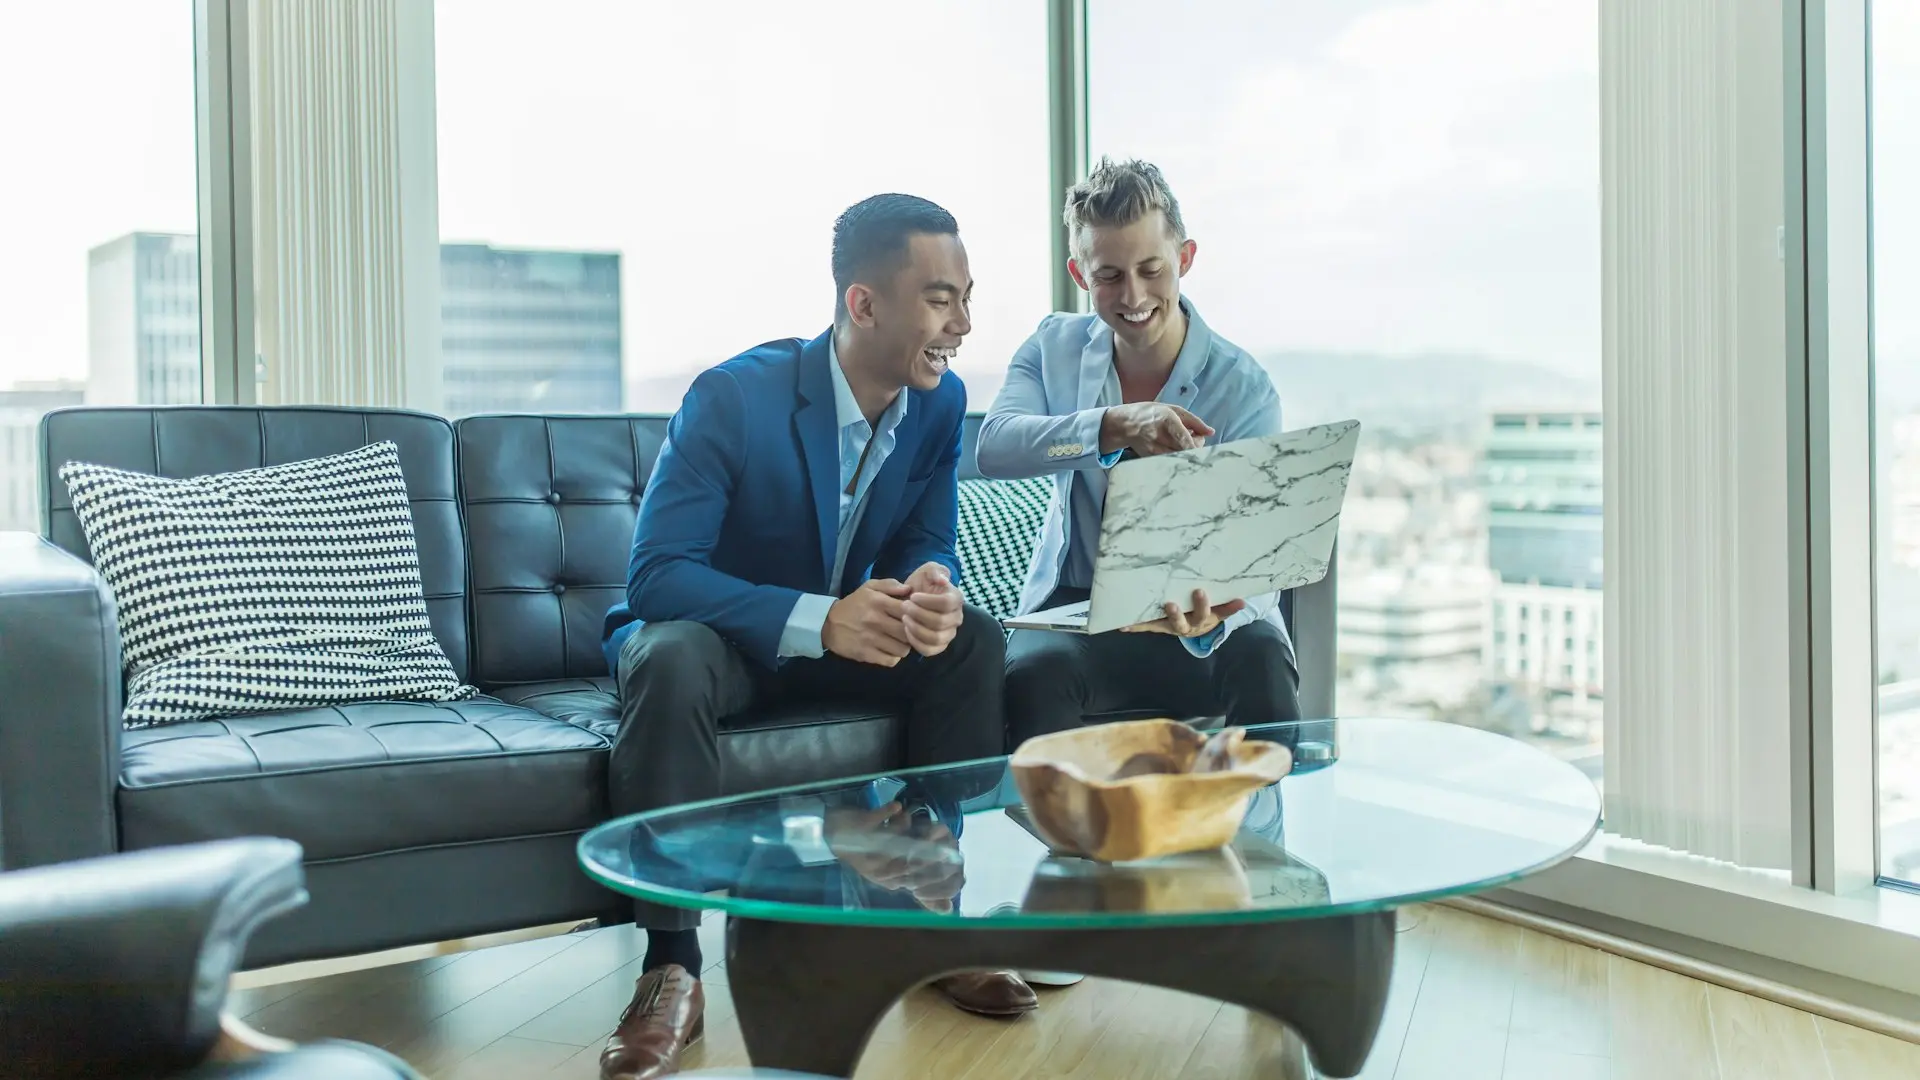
column 1388, row 812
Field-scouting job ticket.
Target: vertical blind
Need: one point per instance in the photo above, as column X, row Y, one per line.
column 346, row 233
column 1694, row 378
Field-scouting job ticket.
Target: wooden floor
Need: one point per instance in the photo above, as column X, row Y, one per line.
column 1471, row 998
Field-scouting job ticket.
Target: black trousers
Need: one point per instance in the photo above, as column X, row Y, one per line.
column 1055, row 680
column 679, row 679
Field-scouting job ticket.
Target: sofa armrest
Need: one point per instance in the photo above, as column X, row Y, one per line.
column 120, row 965
column 60, row 705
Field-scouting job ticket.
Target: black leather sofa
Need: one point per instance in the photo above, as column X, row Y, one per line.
column 420, row 822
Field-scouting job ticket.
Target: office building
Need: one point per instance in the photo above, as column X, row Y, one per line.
column 529, row 330
column 1392, row 617
column 522, row 329
column 1542, row 478
column 1903, row 490
column 143, row 320
column 20, row 410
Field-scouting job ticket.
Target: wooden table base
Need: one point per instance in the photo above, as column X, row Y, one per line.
column 808, row 996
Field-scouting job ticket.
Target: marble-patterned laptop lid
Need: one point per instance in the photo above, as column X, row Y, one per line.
column 1240, row 520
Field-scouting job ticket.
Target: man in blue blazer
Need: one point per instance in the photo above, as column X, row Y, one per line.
column 796, row 544
column 1142, row 375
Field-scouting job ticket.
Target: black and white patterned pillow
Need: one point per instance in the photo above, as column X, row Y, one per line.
column 999, row 525
column 285, row 587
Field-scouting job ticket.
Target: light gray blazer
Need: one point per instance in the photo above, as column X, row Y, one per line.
column 1046, row 420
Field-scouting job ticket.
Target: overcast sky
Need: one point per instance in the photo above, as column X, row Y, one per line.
column 1389, row 175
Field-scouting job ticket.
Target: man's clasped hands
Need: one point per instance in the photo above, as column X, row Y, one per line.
column 884, row 620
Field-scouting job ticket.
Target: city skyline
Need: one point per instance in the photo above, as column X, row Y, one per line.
column 521, row 329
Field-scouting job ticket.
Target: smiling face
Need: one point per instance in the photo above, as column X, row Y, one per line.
column 1132, row 273
column 916, row 316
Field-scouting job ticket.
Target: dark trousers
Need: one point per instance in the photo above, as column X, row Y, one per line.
column 679, row 679
column 1056, row 680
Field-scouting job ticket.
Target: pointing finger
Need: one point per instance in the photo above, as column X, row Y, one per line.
column 1191, row 422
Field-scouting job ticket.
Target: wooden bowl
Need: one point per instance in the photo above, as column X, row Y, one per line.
column 1068, row 782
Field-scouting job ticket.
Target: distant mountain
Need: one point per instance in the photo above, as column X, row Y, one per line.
column 1418, row 393
column 1413, row 394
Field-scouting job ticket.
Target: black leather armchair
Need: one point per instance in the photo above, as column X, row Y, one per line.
column 118, row 967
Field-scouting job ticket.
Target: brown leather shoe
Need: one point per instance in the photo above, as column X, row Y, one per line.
column 988, row 993
column 667, row 1015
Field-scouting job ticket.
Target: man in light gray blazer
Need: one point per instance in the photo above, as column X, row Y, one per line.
column 1142, row 375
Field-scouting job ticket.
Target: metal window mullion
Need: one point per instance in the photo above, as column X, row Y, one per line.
column 1835, row 774
column 225, row 183
column 1066, row 132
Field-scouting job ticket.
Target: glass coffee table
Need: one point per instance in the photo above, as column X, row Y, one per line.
column 843, row 896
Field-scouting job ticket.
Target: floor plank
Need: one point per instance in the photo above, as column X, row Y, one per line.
column 1460, row 1017
column 1237, row 1044
column 388, row 1005
column 923, row 1034
column 1057, row 1038
column 1856, row 1054
column 1661, row 1028
column 1559, row 1000
column 1762, row 1040
column 1149, row 1037
column 463, row 1030
column 1412, row 948
column 509, row 1058
column 1530, row 1061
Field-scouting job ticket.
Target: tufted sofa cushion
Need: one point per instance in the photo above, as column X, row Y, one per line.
column 550, row 504
column 363, row 779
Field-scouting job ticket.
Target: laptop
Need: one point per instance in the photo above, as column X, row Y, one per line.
column 1239, row 519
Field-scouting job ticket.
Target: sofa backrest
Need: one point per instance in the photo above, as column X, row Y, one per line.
column 186, row 440
column 524, row 522
column 550, row 503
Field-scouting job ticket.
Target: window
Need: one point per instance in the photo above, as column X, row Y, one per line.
column 1895, row 134
column 101, row 277
column 1397, row 209
column 643, row 200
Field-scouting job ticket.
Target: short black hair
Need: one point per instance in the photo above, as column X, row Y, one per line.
column 874, row 231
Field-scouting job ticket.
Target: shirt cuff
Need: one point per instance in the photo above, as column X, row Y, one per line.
column 1108, row 461
column 1204, row 645
column 805, row 624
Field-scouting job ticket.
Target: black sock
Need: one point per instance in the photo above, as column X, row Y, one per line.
column 673, row 947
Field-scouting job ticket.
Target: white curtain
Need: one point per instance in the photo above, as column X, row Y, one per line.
column 346, row 229
column 1695, row 390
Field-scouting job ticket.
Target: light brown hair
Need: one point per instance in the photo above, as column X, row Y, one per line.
column 1117, row 194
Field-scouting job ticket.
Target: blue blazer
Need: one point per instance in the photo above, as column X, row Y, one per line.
column 741, row 515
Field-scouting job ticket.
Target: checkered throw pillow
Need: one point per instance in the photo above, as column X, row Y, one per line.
column 285, row 587
column 999, row 525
